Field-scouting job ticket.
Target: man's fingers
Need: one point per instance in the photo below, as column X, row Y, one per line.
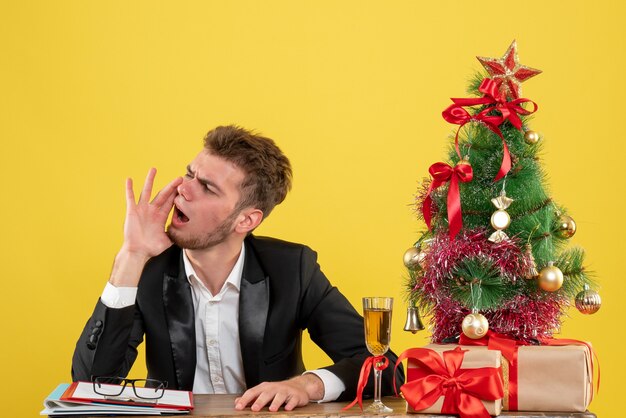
column 279, row 399
column 292, row 403
column 263, row 400
column 130, row 194
column 146, row 192
column 166, row 207
column 167, row 193
column 275, row 395
column 249, row 396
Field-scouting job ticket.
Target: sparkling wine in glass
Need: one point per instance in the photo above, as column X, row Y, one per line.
column 377, row 315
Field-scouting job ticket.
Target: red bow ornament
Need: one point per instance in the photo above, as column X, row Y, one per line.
column 456, row 114
column 462, row 389
column 443, row 173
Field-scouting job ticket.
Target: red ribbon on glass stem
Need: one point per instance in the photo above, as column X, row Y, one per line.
column 441, row 174
column 379, row 363
column 462, row 389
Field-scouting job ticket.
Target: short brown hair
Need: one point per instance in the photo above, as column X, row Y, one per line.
column 267, row 169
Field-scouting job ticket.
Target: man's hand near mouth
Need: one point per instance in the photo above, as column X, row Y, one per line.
column 144, row 230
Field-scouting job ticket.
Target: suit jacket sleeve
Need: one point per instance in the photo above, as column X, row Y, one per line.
column 336, row 327
column 108, row 344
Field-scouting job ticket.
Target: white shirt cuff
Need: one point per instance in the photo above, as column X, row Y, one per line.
column 118, row 297
column 333, row 386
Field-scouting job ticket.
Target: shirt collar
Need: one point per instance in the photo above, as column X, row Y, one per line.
column 234, row 277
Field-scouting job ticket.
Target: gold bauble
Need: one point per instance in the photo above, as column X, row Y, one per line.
column 464, row 160
column 567, row 226
column 500, row 219
column 475, row 326
column 550, row 278
column 588, row 301
column 531, row 137
column 412, row 258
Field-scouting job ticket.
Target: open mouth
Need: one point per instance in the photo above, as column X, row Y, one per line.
column 180, row 215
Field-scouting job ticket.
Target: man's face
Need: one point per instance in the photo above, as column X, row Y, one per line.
column 204, row 209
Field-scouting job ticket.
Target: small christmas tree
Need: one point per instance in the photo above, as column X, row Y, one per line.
column 494, row 255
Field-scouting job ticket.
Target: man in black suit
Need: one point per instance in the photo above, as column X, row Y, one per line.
column 222, row 311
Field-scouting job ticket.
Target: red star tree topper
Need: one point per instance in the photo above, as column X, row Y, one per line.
column 508, row 72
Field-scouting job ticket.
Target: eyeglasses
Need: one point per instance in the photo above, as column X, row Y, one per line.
column 147, row 390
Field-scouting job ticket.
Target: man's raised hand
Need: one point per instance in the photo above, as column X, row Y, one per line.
column 144, row 229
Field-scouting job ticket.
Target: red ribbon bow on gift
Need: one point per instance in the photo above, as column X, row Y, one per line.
column 456, row 114
column 462, row 389
column 442, row 173
column 379, row 363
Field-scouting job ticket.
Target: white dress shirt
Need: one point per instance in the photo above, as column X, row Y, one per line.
column 219, row 367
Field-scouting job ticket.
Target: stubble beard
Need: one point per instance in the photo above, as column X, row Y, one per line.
column 203, row 242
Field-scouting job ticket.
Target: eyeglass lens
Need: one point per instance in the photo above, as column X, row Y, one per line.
column 141, row 388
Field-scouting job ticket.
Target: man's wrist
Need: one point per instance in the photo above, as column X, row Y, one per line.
column 127, row 268
column 313, row 385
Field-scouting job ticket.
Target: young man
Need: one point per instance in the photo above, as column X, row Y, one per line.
column 222, row 311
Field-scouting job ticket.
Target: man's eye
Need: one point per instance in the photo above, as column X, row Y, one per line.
column 208, row 189
column 189, row 176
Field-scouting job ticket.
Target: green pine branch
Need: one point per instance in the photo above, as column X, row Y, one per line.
column 476, row 283
column 570, row 262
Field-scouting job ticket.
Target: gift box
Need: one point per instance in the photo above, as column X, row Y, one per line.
column 462, row 382
column 547, row 378
column 551, row 378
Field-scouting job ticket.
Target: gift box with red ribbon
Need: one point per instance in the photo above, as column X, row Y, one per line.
column 551, row 378
column 554, row 376
column 443, row 379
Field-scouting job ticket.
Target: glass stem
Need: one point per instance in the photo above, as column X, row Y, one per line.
column 378, row 374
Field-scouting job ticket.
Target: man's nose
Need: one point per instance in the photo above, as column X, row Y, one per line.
column 184, row 190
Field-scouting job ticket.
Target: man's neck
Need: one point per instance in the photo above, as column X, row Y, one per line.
column 213, row 265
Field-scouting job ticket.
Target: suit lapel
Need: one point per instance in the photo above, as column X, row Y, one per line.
column 254, row 301
column 180, row 322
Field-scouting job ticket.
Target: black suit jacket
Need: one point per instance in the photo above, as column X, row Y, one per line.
column 283, row 292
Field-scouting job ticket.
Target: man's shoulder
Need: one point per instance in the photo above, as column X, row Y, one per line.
column 281, row 260
column 272, row 250
column 274, row 244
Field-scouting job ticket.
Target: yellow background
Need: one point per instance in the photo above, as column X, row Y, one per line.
column 92, row 92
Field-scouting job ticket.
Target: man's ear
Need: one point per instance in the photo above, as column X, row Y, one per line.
column 248, row 220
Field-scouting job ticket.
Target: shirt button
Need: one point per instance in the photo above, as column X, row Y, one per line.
column 216, row 379
column 212, row 342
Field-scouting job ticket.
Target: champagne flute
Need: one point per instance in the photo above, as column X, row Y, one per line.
column 377, row 315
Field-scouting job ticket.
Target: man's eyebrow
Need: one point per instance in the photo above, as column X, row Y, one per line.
column 205, row 182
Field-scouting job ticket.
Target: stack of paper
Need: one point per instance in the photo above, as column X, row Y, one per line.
column 79, row 398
